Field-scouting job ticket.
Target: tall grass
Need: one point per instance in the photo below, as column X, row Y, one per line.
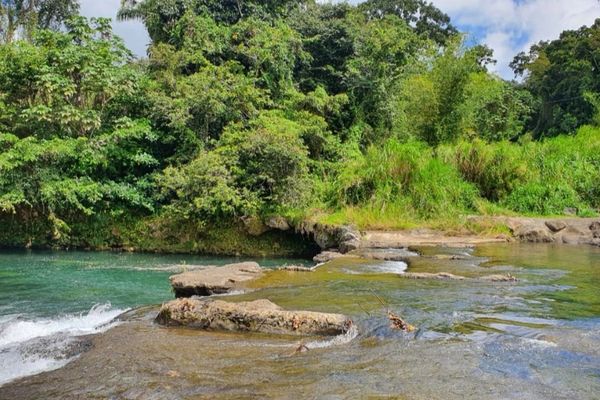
column 399, row 185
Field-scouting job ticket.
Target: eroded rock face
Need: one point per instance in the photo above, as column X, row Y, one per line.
column 344, row 238
column 534, row 232
column 595, row 229
column 214, row 280
column 255, row 316
column 278, row 222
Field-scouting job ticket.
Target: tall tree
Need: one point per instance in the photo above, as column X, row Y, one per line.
column 424, row 17
column 160, row 16
column 22, row 17
column 565, row 75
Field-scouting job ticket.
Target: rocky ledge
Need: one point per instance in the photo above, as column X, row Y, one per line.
column 214, row 280
column 554, row 230
column 255, row 316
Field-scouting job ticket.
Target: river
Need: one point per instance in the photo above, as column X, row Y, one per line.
column 538, row 338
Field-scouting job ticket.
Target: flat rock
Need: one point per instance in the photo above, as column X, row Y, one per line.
column 449, row 276
column 327, row 256
column 254, row 316
column 214, row 280
column 401, row 254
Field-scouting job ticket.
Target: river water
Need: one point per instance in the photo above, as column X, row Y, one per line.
column 538, row 338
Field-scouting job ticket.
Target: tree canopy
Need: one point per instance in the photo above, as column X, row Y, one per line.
column 247, row 109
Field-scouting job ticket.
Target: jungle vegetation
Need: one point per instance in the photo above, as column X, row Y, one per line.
column 377, row 115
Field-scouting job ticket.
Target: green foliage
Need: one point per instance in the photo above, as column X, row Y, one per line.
column 22, row 17
column 563, row 74
column 402, row 176
column 495, row 169
column 376, row 114
column 428, row 20
column 64, row 83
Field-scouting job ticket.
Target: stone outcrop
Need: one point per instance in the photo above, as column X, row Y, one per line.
column 343, row 238
column 278, row 222
column 254, row 226
column 255, row 316
column 558, row 230
column 214, row 280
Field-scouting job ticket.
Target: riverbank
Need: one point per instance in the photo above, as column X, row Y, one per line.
column 279, row 237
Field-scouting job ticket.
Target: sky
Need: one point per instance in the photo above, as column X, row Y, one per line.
column 507, row 26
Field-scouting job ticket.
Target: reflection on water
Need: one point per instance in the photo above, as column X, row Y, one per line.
column 538, row 338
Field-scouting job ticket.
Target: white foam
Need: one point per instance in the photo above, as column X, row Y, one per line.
column 391, row 267
column 19, row 356
column 96, row 320
column 335, row 341
column 385, row 267
column 14, row 364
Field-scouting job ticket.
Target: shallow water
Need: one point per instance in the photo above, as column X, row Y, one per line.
column 538, row 338
column 49, row 299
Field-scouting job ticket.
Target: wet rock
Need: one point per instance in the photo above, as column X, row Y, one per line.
column 556, row 225
column 327, row 256
column 449, row 257
column 449, row 276
column 498, row 278
column 278, row 222
column 427, row 275
column 255, row 316
column 296, row 268
column 401, row 254
column 214, row 280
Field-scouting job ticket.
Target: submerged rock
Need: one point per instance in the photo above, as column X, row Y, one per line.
column 214, row 280
column 449, row 276
column 296, row 268
column 400, row 254
column 254, row 316
column 428, row 275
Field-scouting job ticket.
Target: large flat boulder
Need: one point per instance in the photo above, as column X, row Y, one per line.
column 214, row 280
column 255, row 316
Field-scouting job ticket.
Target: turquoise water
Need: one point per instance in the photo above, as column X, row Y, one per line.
column 47, row 284
column 49, row 298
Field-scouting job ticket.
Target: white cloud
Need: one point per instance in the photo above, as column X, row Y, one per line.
column 133, row 32
column 511, row 26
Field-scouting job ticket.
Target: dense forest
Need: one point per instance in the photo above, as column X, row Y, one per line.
column 376, row 114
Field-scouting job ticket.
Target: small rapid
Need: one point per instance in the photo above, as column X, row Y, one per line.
column 29, row 346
